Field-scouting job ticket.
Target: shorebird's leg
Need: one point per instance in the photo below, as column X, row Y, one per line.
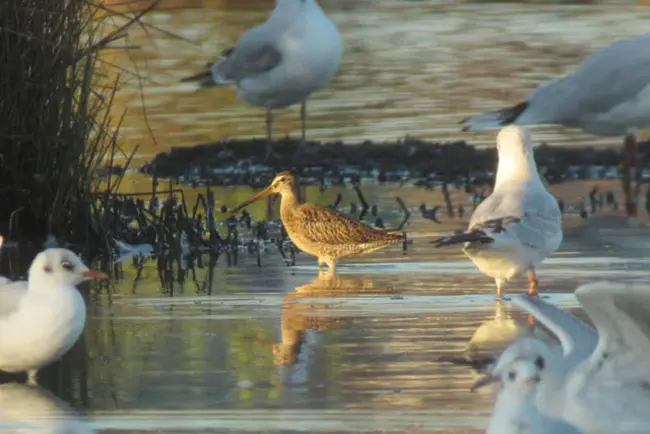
column 303, row 119
column 532, row 279
column 32, row 379
column 499, row 288
column 331, row 263
column 269, row 133
column 326, row 274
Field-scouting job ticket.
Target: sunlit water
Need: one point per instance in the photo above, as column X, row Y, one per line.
column 409, row 67
column 284, row 349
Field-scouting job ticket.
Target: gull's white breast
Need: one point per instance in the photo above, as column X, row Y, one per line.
column 45, row 326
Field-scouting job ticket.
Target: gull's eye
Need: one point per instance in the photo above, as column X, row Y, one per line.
column 539, row 362
column 283, row 179
column 512, row 375
column 47, row 269
column 67, row 266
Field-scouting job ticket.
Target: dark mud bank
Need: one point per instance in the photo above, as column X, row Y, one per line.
column 242, row 162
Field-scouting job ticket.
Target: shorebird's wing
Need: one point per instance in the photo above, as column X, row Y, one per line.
column 331, row 227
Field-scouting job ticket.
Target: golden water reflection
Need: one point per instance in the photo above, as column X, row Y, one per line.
column 409, row 67
column 292, row 346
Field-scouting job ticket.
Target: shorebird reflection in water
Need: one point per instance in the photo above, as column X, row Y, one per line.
column 298, row 316
column 321, row 232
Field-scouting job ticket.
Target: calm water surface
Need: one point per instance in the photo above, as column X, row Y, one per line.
column 284, row 349
column 409, row 67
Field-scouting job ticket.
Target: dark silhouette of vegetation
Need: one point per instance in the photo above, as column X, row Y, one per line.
column 242, row 162
column 55, row 128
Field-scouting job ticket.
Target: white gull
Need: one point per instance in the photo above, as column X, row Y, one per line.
column 607, row 95
column 514, row 410
column 280, row 62
column 41, row 318
column 515, row 228
column 597, row 383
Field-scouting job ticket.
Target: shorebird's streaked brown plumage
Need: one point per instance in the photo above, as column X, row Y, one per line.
column 324, row 233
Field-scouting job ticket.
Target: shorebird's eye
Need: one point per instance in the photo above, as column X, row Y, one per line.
column 47, row 269
column 283, row 179
column 512, row 375
column 67, row 266
column 539, row 362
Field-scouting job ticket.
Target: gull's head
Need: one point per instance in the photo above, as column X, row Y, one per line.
column 282, row 184
column 520, row 376
column 526, row 362
column 56, row 267
column 514, row 140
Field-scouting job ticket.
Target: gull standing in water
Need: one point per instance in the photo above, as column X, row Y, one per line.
column 515, row 228
column 607, row 95
column 281, row 62
column 597, row 383
column 42, row 318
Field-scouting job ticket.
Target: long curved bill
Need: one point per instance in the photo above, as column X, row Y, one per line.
column 483, row 381
column 259, row 195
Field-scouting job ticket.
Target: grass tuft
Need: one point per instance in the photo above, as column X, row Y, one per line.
column 55, row 127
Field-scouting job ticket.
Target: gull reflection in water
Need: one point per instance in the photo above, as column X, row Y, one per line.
column 495, row 335
column 298, row 316
column 32, row 409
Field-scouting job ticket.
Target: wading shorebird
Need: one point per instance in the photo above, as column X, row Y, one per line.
column 321, row 232
column 42, row 318
column 607, row 95
column 280, row 62
column 515, row 228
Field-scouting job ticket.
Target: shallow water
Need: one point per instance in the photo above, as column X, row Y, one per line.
column 284, row 349
column 280, row 349
column 409, row 67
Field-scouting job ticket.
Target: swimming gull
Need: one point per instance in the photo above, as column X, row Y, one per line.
column 515, row 228
column 607, row 95
column 280, row 62
column 41, row 318
column 602, row 387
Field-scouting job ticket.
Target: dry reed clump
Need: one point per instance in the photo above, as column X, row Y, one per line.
column 54, row 117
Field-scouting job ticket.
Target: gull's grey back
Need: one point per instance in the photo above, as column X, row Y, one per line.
column 610, row 76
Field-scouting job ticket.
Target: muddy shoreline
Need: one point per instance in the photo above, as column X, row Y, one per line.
column 242, row 162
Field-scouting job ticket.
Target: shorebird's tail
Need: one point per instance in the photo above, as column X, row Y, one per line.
column 495, row 119
column 467, row 237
